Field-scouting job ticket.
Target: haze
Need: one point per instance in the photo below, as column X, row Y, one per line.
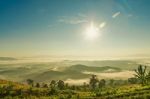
column 59, row 28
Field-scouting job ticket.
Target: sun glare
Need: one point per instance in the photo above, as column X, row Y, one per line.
column 92, row 32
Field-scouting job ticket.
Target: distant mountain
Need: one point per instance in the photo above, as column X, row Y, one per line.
column 81, row 68
column 72, row 72
column 122, row 64
column 56, row 75
column 47, row 71
column 7, row 58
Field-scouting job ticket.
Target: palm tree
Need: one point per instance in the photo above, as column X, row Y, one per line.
column 141, row 74
column 93, row 81
column 148, row 77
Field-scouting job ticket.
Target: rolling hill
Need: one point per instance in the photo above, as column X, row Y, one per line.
column 47, row 71
column 72, row 72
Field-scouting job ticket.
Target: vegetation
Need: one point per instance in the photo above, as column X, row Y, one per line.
column 141, row 74
column 135, row 88
column 93, row 81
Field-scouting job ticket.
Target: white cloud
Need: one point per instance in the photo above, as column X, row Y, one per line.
column 82, row 15
column 72, row 21
column 76, row 82
column 61, row 20
column 130, row 15
column 102, row 25
column 116, row 14
column 78, row 21
column 121, row 75
column 80, row 18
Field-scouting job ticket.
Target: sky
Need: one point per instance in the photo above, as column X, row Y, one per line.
column 90, row 28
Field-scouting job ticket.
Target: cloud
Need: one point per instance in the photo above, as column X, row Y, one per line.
column 78, row 21
column 72, row 21
column 82, row 15
column 102, row 25
column 76, row 82
column 116, row 14
column 130, row 15
column 80, row 18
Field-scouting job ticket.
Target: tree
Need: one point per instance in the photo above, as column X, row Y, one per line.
column 111, row 82
column 37, row 85
column 73, row 87
column 66, row 85
column 44, row 85
column 84, row 86
column 53, row 83
column 148, row 77
column 61, row 84
column 93, row 81
column 52, row 91
column 30, row 82
column 141, row 74
column 133, row 80
column 101, row 83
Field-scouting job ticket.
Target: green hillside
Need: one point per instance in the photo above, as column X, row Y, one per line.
column 7, row 59
column 137, row 87
column 73, row 72
column 80, row 67
column 14, row 90
column 44, row 71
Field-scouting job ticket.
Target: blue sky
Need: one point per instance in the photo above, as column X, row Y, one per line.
column 56, row 27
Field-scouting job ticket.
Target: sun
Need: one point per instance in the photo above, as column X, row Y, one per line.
column 92, row 32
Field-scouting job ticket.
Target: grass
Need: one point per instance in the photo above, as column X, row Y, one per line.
column 14, row 90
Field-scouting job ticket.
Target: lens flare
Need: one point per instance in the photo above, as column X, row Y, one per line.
column 92, row 32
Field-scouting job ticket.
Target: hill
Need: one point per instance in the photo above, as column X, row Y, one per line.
column 15, row 71
column 71, row 72
column 14, row 90
column 81, row 68
column 7, row 59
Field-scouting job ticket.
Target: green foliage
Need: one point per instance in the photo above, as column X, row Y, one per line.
column 148, row 78
column 44, row 85
column 37, row 85
column 52, row 91
column 53, row 83
column 133, row 80
column 93, row 81
column 101, row 83
column 61, row 84
column 30, row 82
column 142, row 75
